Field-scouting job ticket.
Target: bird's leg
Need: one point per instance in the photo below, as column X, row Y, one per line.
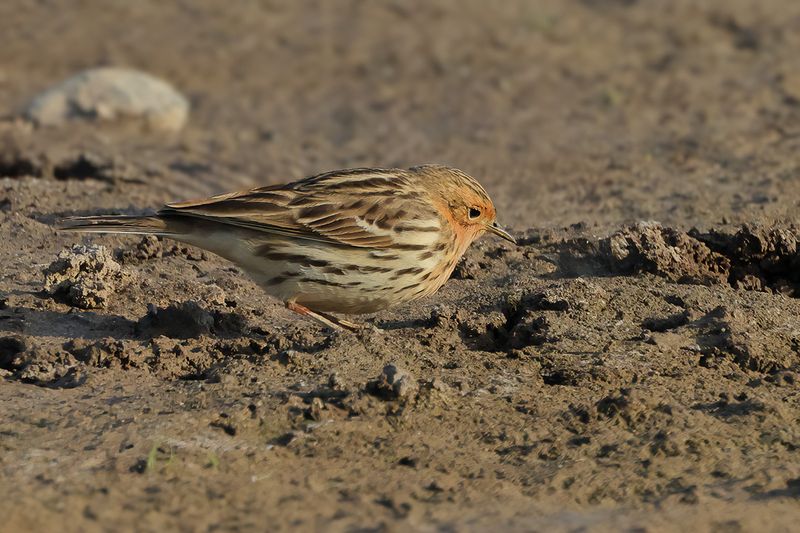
column 323, row 318
column 346, row 324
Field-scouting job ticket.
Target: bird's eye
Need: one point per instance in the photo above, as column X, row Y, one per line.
column 474, row 212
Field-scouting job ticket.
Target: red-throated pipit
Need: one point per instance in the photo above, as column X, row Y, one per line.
column 350, row 241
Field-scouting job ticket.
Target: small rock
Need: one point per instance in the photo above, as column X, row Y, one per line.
column 394, row 384
column 85, row 276
column 111, row 94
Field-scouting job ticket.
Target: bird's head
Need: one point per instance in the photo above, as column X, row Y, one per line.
column 467, row 203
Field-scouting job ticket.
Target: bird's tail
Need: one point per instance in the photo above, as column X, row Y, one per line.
column 139, row 225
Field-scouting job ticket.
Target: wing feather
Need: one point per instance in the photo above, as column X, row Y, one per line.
column 351, row 208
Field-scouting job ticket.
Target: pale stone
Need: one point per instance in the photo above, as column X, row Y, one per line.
column 111, row 95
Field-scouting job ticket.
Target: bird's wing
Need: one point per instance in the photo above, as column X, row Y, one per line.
column 356, row 207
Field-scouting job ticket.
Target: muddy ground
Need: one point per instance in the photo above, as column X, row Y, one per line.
column 633, row 364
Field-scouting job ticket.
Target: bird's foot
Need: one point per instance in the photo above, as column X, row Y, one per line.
column 330, row 321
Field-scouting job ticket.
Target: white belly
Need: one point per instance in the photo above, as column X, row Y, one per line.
column 326, row 278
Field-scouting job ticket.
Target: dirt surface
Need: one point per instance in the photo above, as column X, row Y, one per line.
column 633, row 364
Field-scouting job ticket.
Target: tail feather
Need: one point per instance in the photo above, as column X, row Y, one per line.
column 141, row 225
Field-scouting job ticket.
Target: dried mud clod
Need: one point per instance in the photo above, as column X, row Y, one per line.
column 477, row 329
column 466, row 268
column 667, row 323
column 16, row 164
column 752, row 341
column 628, row 407
column 85, row 276
column 187, row 320
column 184, row 320
column 394, row 383
column 21, row 162
column 761, row 258
column 530, row 315
column 650, row 247
column 88, row 165
column 10, row 350
column 150, row 247
column 70, row 364
column 109, row 352
column 40, row 364
column 753, row 258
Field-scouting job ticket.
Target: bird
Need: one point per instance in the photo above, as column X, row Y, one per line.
column 351, row 241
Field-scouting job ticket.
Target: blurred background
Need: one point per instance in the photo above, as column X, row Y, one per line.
column 570, row 111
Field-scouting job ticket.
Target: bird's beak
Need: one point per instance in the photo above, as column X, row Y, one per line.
column 500, row 232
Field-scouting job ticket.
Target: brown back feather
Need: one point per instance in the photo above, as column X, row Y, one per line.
column 340, row 207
